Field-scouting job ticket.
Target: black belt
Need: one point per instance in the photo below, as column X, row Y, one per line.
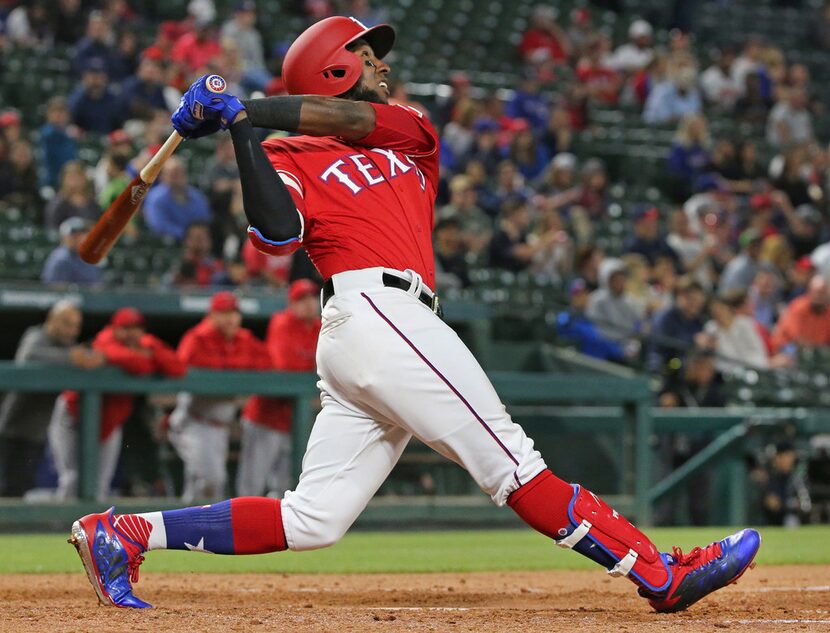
column 393, row 281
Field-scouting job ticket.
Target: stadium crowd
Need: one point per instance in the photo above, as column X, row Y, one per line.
column 726, row 267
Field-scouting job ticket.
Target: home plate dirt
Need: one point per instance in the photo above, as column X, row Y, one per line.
column 766, row 599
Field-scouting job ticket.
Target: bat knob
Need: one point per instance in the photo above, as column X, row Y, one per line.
column 216, row 83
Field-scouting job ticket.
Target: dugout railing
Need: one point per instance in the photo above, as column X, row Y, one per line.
column 570, row 403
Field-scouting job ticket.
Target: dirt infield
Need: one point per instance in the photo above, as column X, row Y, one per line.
column 766, row 599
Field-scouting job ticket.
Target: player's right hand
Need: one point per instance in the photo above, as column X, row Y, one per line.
column 206, row 99
column 189, row 126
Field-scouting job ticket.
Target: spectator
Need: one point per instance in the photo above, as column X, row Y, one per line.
column 365, row 14
column 558, row 178
column 718, row 83
column 485, row 149
column 119, row 144
column 64, row 265
column 528, row 104
column 674, row 98
column 142, row 94
column 544, row 40
column 241, row 29
column 611, row 309
column 476, row 226
column 591, row 197
column 646, row 239
column 587, row 261
column 118, row 178
column 200, row 425
column 764, row 297
column 96, row 45
column 528, row 155
column 694, row 252
column 74, row 198
column 29, row 25
column 11, row 127
column 573, row 325
column 734, row 337
column 790, row 121
column 637, row 53
column 458, row 138
column 19, row 186
column 194, row 51
column 805, row 322
column 68, row 21
column 56, row 142
column 754, row 104
column 24, row 417
column 274, row 270
column 486, row 198
column 510, row 248
column 798, row 277
column 749, row 63
column 689, row 154
column 197, row 266
column 265, row 450
column 820, row 27
column 676, row 328
column 124, row 343
column 741, row 270
column 451, row 270
column 790, row 172
column 174, row 204
column 94, row 106
column 558, row 135
column 601, row 83
column 785, row 497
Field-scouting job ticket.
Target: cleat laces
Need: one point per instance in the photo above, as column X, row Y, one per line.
column 698, row 558
column 132, row 567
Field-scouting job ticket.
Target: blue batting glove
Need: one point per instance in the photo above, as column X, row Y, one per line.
column 205, row 104
column 188, row 126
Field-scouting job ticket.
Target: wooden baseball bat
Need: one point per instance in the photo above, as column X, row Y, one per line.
column 111, row 224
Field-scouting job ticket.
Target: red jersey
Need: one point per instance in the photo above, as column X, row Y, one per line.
column 204, row 346
column 154, row 356
column 365, row 203
column 540, row 41
column 292, row 344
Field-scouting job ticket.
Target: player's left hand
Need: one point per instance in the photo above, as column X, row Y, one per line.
column 205, row 104
column 188, row 126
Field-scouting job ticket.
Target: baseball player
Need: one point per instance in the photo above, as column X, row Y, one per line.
column 357, row 189
column 265, row 448
column 200, row 425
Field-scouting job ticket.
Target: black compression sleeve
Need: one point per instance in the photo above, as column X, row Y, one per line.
column 268, row 205
column 275, row 113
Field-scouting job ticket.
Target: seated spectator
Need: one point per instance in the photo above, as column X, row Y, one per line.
column 581, row 30
column 749, row 62
column 734, row 337
column 458, row 138
column 197, row 266
column 174, row 204
column 754, row 104
column 590, row 200
column 611, row 309
column 544, row 40
column 689, row 154
column 805, row 322
column 95, row 45
column 476, row 226
column 798, row 278
column 555, row 262
column 694, row 252
column 529, row 103
column 241, row 28
column 485, row 148
column 68, row 21
column 528, row 155
column 639, row 85
column 741, row 270
column 558, row 177
column 274, row 270
column 695, row 385
column 573, row 325
column 790, row 121
column 29, row 24
column 646, row 239
column 601, row 82
column 143, row 93
column 93, row 104
column 511, row 249
column 717, row 82
column 117, row 180
column 119, row 143
column 637, row 53
column 765, row 296
column 451, row 269
column 24, row 417
column 200, row 425
column 790, row 172
column 74, row 198
column 64, row 265
column 124, row 343
column 19, row 184
column 587, row 260
column 56, row 142
column 486, row 198
column 11, row 127
column 509, row 182
column 674, row 98
column 558, row 135
column 195, row 50
column 675, row 329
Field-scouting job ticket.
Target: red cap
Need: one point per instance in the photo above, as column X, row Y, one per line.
column 224, row 302
column 9, row 117
column 302, row 288
column 804, row 263
column 760, row 201
column 127, row 317
column 118, row 136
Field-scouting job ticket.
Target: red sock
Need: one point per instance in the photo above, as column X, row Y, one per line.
column 543, row 502
column 257, row 525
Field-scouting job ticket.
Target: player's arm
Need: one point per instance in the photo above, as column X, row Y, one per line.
column 312, row 115
column 275, row 223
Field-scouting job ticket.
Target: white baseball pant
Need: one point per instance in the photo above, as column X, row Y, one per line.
column 264, row 461
column 390, row 369
column 63, row 443
column 204, row 450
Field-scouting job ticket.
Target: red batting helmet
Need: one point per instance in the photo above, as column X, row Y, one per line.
column 318, row 63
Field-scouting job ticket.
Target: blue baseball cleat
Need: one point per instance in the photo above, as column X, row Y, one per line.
column 704, row 570
column 110, row 558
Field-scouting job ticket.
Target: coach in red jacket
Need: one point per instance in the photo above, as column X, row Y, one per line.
column 125, row 344
column 265, row 457
column 200, row 425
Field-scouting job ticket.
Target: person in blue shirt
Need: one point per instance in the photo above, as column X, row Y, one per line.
column 174, row 204
column 675, row 329
column 64, row 265
column 143, row 93
column 671, row 100
column 57, row 146
column 94, row 106
column 573, row 325
column 689, row 154
column 646, row 238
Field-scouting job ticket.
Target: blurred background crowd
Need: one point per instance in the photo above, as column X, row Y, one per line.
column 656, row 176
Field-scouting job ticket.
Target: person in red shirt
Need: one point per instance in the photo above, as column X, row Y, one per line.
column 265, row 454
column 805, row 321
column 600, row 80
column 125, row 343
column 357, row 190
column 544, row 41
column 197, row 49
column 200, row 425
